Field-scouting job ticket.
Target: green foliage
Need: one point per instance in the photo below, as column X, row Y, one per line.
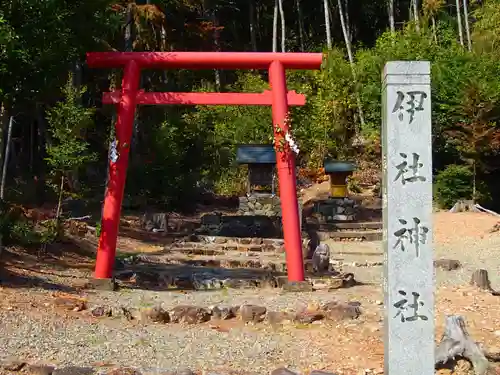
column 68, row 122
column 452, row 184
column 15, row 229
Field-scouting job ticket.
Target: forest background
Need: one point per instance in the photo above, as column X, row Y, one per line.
column 56, row 132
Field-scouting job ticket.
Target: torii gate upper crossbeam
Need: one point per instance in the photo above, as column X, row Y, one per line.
column 131, row 96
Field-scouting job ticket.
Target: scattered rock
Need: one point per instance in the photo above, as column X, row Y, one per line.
column 252, row 313
column 124, row 371
column 183, row 282
column 447, row 264
column 298, row 286
column 277, row 317
column 40, row 370
column 127, row 313
column 11, row 364
column 74, row 371
column 184, row 371
column 71, row 303
column 349, row 280
column 282, row 371
column 319, row 372
column 308, row 317
column 340, row 311
column 155, row 314
column 189, row 315
column 335, row 283
column 101, row 311
column 222, row 313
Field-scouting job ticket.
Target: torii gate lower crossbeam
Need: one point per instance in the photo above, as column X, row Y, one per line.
column 130, row 96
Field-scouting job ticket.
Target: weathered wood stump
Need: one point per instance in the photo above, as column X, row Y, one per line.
column 456, row 342
column 464, row 206
column 481, row 280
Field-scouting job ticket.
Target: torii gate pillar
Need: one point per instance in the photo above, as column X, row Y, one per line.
column 131, row 96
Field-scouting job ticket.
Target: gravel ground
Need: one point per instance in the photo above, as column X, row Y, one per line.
column 35, row 330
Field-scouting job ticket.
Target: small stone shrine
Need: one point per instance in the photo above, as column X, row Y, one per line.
column 260, row 199
column 338, row 206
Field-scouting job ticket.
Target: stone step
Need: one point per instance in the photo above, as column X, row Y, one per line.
column 331, row 227
column 355, row 236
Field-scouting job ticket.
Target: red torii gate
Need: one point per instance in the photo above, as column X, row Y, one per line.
column 130, row 96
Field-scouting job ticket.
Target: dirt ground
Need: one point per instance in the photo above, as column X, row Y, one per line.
column 347, row 348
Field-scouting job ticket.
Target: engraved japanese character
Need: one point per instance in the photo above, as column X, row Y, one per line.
column 404, row 168
column 415, row 235
column 403, row 306
column 413, row 104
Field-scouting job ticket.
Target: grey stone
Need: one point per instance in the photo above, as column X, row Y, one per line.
column 447, row 264
column 155, row 314
column 297, row 286
column 73, row 370
column 282, row 371
column 124, row 371
column 189, row 315
column 337, row 311
column 252, row 313
column 222, row 313
column 407, row 210
column 40, row 370
column 12, row 364
column 102, row 284
column 184, row 371
column 319, row 372
column 321, row 258
column 101, row 311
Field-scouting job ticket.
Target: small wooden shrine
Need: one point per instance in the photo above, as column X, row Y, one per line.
column 338, row 171
column 261, row 162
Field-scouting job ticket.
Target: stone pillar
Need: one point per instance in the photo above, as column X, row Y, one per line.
column 407, row 211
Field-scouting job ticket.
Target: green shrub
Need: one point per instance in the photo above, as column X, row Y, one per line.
column 452, row 184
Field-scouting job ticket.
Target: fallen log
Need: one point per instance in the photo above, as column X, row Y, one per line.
column 456, row 342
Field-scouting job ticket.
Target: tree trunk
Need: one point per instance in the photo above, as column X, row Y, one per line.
column 6, row 158
column 456, row 342
column 459, row 20
column 351, row 61
column 347, row 20
column 59, row 201
column 434, row 31
column 275, row 27
column 41, row 153
column 415, row 14
column 327, row 25
column 390, row 10
column 474, row 176
column 301, row 25
column 467, row 29
column 253, row 33
column 283, row 28
column 215, row 24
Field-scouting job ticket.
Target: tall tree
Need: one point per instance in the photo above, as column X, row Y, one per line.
column 467, row 29
column 459, row 20
column 283, row 28
column 390, row 10
column 351, row 62
column 328, row 30
column 415, row 14
column 275, row 26
column 300, row 19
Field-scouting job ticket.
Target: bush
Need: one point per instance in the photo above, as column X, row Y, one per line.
column 452, row 184
column 16, row 229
